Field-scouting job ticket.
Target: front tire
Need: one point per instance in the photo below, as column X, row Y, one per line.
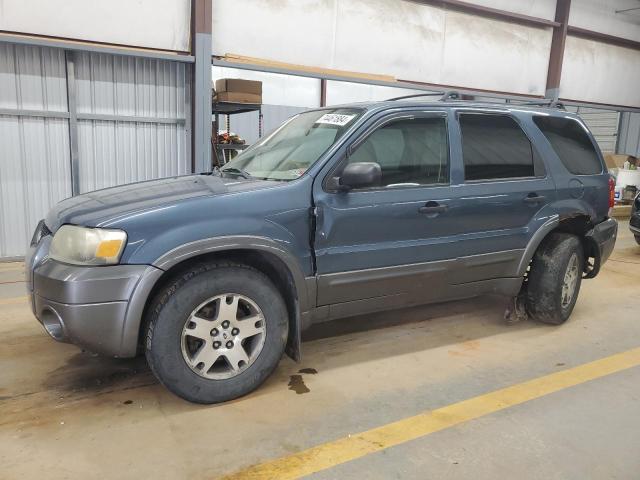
column 216, row 332
column 554, row 278
column 637, row 239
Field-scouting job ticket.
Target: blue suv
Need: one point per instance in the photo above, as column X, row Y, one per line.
column 341, row 211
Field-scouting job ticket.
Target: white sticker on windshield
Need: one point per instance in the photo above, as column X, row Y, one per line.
column 335, row 119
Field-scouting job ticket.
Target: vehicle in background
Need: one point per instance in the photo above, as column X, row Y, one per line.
column 634, row 221
column 342, row 211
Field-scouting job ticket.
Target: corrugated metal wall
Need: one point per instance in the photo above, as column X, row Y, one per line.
column 114, row 151
column 132, row 123
column 603, row 124
column 34, row 155
column 629, row 140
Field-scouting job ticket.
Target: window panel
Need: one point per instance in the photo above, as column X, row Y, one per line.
column 571, row 143
column 495, row 147
column 409, row 152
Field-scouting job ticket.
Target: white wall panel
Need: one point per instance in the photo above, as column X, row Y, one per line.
column 347, row 92
column 116, row 152
column 162, row 24
column 34, row 161
column 602, row 73
column 493, row 55
column 601, row 16
column 295, row 31
column 392, row 37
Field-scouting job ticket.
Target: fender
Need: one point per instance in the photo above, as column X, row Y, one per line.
column 217, row 244
column 535, row 241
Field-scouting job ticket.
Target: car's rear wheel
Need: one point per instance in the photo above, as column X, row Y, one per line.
column 216, row 332
column 554, row 278
column 637, row 239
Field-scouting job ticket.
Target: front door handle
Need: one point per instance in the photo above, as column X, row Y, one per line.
column 534, row 198
column 432, row 207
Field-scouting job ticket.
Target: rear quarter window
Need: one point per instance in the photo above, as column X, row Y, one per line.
column 571, row 143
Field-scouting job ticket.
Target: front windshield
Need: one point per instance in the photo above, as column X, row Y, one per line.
column 290, row 150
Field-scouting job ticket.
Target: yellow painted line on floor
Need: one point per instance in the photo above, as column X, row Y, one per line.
column 358, row 445
column 13, row 300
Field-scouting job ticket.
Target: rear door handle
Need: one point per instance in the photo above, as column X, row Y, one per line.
column 534, row 198
column 432, row 207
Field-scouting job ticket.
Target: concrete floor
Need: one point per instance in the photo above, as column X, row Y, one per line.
column 69, row 414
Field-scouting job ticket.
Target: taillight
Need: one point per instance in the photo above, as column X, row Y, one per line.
column 612, row 192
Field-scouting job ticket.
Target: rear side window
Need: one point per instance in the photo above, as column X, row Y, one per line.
column 571, row 143
column 495, row 147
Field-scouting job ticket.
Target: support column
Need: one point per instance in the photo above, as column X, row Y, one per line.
column 323, row 92
column 73, row 122
column 556, row 56
column 201, row 87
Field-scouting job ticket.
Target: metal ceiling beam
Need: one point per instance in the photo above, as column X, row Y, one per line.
column 97, row 47
column 489, row 12
column 603, row 38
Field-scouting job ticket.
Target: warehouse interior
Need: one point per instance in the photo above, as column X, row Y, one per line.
column 97, row 94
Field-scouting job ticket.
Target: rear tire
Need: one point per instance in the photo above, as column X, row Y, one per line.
column 637, row 239
column 554, row 278
column 216, row 332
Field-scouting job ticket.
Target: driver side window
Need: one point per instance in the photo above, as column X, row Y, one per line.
column 409, row 151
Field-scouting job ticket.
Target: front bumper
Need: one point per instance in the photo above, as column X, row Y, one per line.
column 97, row 308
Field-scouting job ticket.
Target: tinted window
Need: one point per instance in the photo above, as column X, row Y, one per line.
column 412, row 151
column 571, row 143
column 494, row 146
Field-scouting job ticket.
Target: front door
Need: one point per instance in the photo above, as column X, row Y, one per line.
column 387, row 244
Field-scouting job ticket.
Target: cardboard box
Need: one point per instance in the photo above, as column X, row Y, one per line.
column 238, row 97
column 617, row 161
column 238, row 85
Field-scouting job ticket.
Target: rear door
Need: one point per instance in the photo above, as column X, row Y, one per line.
column 502, row 194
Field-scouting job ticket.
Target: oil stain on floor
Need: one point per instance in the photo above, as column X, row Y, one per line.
column 296, row 382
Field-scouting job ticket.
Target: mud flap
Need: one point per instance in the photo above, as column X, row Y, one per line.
column 516, row 311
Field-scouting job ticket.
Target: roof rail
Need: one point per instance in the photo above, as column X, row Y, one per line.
column 547, row 102
column 429, row 94
column 444, row 96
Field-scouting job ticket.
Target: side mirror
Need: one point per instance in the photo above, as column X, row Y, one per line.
column 360, row 175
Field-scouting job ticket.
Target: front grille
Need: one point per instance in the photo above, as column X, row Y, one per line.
column 41, row 231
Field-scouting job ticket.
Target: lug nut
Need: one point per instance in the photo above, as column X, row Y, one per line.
column 225, row 324
column 214, row 332
column 216, row 345
column 229, row 344
column 235, row 331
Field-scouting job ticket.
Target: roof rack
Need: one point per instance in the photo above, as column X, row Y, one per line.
column 547, row 102
column 444, row 96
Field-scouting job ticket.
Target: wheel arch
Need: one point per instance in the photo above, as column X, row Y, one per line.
column 579, row 224
column 265, row 255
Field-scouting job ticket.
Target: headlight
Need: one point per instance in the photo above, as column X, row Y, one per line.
column 87, row 246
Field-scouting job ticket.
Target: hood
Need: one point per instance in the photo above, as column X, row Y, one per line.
column 94, row 209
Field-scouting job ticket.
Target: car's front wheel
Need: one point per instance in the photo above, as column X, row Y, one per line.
column 637, row 239
column 216, row 332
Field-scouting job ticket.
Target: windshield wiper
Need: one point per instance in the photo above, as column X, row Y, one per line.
column 237, row 171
